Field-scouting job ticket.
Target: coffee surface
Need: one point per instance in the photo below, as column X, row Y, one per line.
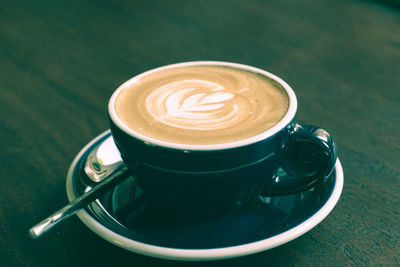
column 203, row 104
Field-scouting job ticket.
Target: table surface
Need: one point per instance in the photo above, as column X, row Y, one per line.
column 60, row 62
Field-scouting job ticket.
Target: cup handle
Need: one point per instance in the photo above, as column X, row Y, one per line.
column 309, row 160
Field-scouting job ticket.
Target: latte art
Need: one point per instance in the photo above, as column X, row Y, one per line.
column 195, row 105
column 202, row 104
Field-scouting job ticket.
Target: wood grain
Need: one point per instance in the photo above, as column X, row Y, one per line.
column 60, row 62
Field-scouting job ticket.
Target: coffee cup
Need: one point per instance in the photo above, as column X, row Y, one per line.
column 207, row 137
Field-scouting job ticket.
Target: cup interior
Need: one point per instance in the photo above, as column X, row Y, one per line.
column 287, row 118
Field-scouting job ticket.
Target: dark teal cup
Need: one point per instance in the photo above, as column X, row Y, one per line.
column 205, row 180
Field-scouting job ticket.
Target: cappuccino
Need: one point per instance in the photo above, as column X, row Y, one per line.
column 201, row 104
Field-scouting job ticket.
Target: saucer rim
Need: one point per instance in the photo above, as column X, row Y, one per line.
column 203, row 254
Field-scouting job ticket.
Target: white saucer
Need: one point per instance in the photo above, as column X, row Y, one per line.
column 175, row 242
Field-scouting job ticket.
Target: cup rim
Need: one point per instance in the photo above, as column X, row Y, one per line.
column 289, row 116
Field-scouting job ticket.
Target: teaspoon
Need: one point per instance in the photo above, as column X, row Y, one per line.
column 105, row 168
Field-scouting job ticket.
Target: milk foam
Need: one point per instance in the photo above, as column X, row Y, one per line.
column 194, row 105
column 201, row 104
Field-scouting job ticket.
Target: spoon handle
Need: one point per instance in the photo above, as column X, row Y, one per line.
column 79, row 203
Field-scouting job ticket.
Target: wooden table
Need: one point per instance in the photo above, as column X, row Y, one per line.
column 60, row 62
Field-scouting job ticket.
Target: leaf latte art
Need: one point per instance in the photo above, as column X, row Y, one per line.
column 201, row 104
column 196, row 105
